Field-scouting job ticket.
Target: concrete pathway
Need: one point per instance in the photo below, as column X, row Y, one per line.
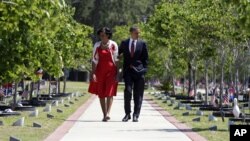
column 152, row 125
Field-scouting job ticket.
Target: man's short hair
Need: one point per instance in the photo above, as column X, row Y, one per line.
column 133, row 28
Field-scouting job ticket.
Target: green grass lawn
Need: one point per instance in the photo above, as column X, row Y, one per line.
column 200, row 127
column 29, row 133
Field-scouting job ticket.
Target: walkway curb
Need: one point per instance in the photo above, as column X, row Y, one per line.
column 68, row 124
column 182, row 127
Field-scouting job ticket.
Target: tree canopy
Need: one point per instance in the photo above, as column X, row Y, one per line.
column 40, row 34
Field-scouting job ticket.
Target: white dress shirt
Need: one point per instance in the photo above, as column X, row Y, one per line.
column 130, row 43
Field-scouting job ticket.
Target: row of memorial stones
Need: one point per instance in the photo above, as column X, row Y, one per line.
column 48, row 108
column 179, row 105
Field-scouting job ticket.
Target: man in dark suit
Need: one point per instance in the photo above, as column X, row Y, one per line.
column 135, row 61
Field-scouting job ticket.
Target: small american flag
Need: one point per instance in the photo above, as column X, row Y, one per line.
column 225, row 99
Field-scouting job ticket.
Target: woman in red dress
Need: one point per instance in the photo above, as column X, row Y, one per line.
column 104, row 76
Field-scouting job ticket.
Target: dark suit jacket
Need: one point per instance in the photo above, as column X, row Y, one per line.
column 140, row 58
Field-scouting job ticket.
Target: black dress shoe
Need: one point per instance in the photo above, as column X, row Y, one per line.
column 126, row 118
column 104, row 120
column 107, row 118
column 135, row 118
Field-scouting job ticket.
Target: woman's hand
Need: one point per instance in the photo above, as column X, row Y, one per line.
column 92, row 77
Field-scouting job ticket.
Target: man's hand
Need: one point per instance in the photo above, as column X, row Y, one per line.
column 117, row 78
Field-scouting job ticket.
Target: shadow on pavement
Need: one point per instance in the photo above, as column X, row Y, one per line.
column 160, row 130
column 206, row 129
column 91, row 121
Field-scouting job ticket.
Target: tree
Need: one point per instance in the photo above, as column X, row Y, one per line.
column 110, row 13
column 31, row 38
column 194, row 32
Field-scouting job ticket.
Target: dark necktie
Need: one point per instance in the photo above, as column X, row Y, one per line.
column 132, row 50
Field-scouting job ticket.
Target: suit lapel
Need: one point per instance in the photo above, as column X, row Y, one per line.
column 127, row 47
column 138, row 47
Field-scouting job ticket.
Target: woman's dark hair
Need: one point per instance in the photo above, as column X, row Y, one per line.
column 105, row 30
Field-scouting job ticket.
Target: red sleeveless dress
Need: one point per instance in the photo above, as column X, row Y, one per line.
column 106, row 84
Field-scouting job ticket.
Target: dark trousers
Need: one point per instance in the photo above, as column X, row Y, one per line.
column 133, row 83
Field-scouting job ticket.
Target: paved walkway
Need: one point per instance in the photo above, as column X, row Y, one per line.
column 152, row 125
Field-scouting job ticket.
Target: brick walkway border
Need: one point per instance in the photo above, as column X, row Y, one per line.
column 68, row 124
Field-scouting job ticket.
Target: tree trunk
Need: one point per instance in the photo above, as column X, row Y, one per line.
column 49, row 84
column 214, row 74
column 222, row 77
column 231, row 73
column 15, row 96
column 184, row 80
column 206, row 82
column 190, row 78
column 58, row 86
column 31, row 89
column 237, row 81
column 96, row 16
column 38, row 89
column 64, row 81
column 221, row 85
column 173, row 83
column 244, row 80
column 23, row 85
column 194, row 80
